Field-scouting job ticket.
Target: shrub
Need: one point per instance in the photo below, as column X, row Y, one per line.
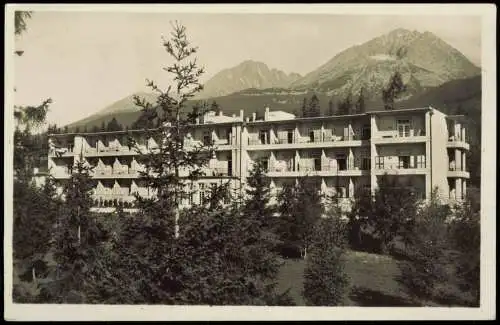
column 325, row 281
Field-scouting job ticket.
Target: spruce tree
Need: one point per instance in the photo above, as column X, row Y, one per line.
column 393, row 91
column 314, row 108
column 305, row 111
column 325, row 279
column 215, row 107
column 466, row 240
column 300, row 206
column 76, row 238
column 425, row 274
column 393, row 211
column 331, row 108
column 113, row 125
column 360, row 103
column 151, row 258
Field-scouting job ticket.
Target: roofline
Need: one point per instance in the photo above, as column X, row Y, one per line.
column 294, row 120
column 459, row 117
column 396, row 111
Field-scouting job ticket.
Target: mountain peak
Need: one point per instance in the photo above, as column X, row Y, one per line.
column 247, row 74
column 424, row 59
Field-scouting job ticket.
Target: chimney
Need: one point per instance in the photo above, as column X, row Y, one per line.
column 241, row 114
column 266, row 114
column 220, row 113
column 254, row 115
column 197, row 120
column 248, row 119
column 234, row 116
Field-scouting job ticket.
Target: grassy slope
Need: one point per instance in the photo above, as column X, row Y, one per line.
column 373, row 280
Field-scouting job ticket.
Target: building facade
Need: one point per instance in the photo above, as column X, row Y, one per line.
column 421, row 147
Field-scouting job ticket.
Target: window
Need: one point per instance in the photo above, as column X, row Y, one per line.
column 202, row 193
column 290, row 135
column 230, row 166
column 264, row 136
column 404, row 162
column 403, row 128
column 366, row 132
column 379, row 162
column 265, row 163
column 206, row 138
column 421, row 161
column 366, row 163
column 317, row 160
column 341, row 162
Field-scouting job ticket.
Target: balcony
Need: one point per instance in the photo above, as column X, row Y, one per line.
column 457, row 143
column 223, row 145
column 402, row 167
column 61, row 175
column 394, row 137
column 107, row 174
column 458, row 174
column 305, row 142
column 217, row 172
column 61, row 152
column 110, row 151
column 324, row 171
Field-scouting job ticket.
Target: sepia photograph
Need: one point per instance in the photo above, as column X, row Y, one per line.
column 250, row 162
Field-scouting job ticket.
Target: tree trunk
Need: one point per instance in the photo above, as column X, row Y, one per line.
column 33, row 273
column 177, row 222
column 383, row 247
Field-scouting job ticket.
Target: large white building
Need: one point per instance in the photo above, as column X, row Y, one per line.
column 421, row 147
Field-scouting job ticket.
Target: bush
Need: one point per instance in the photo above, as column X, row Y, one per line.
column 325, row 281
column 428, row 253
column 289, row 250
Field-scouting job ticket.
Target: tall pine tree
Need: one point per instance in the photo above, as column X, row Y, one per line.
column 360, row 103
column 393, row 91
column 314, row 109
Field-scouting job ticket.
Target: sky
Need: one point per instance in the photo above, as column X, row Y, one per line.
column 85, row 61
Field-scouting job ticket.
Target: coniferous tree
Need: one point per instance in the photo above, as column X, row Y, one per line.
column 35, row 212
column 113, row 125
column 151, row 258
column 314, row 108
column 331, row 108
column 325, row 280
column 425, row 273
column 103, row 127
column 360, row 103
column 393, row 91
column 215, row 107
column 393, row 211
column 358, row 218
column 258, row 196
column 77, row 129
column 305, row 111
column 95, row 129
column 297, row 218
column 466, row 240
column 345, row 106
column 76, row 238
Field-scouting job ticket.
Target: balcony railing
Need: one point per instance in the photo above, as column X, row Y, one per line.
column 306, row 139
column 115, row 173
column 218, row 171
column 380, row 163
column 61, row 152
